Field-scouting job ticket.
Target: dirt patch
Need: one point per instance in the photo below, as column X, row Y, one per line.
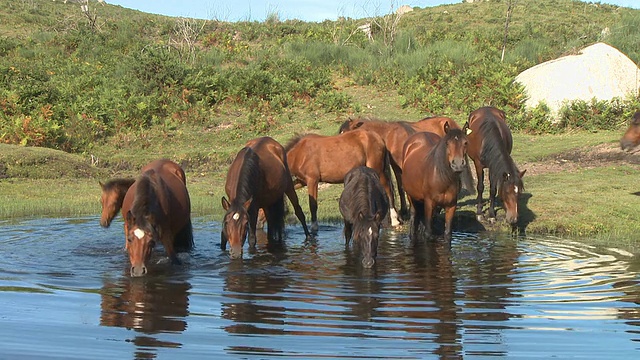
column 587, row 158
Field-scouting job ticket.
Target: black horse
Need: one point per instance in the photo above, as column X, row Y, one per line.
column 363, row 205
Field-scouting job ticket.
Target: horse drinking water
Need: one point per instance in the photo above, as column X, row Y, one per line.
column 258, row 178
column 363, row 205
column 156, row 208
column 490, row 144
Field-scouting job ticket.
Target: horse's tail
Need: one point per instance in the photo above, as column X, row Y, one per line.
column 467, row 179
column 184, row 239
column 387, row 173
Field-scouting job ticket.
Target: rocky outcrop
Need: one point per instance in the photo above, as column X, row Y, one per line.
column 599, row 71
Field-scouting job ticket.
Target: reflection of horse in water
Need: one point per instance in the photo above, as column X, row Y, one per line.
column 148, row 306
column 243, row 286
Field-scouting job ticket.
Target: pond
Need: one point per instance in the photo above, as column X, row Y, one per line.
column 65, row 293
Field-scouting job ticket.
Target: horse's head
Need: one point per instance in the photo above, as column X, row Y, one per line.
column 631, row 138
column 234, row 226
column 366, row 232
column 350, row 124
column 141, row 239
column 113, row 193
column 510, row 191
column 456, row 142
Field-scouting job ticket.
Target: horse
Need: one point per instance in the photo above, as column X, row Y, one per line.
column 156, row 208
column 431, row 176
column 363, row 205
column 631, row 138
column 395, row 134
column 258, row 178
column 490, row 144
column 314, row 158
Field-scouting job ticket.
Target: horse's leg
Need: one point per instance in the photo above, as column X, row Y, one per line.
column 293, row 198
column 167, row 241
column 416, row 217
column 428, row 217
column 253, row 222
column 312, row 188
column 449, row 212
column 404, row 210
column 493, row 190
column 348, row 231
column 393, row 214
column 480, row 189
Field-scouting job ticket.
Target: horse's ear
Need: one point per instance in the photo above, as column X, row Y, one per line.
column 522, row 173
column 467, row 131
column 129, row 218
column 377, row 217
column 247, row 203
column 225, row 204
column 446, row 127
column 101, row 184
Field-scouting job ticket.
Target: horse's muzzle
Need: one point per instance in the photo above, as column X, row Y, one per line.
column 137, row 271
column 368, row 262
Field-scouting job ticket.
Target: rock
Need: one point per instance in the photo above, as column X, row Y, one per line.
column 599, row 71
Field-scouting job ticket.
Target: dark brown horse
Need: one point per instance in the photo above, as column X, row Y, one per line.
column 631, row 138
column 490, row 145
column 156, row 208
column 431, row 176
column 314, row 158
column 258, row 178
column 363, row 205
column 395, row 134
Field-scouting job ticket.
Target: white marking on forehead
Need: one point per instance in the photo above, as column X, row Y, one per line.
column 370, row 231
column 469, row 131
column 236, row 216
column 516, row 189
column 138, row 233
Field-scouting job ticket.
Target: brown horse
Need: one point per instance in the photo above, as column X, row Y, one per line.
column 258, row 178
column 431, row 176
column 395, row 134
column 490, row 145
column 363, row 205
column 155, row 207
column 631, row 138
column 315, row 158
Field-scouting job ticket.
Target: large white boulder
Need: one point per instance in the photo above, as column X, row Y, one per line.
column 599, row 71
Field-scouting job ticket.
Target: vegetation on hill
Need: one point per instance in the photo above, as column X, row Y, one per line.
column 73, row 79
column 115, row 88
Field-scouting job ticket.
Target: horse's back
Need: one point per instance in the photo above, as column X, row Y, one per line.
column 364, row 193
column 483, row 121
column 275, row 174
column 418, row 145
column 166, row 166
column 434, row 125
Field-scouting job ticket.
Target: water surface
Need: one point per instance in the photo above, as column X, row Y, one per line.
column 65, row 293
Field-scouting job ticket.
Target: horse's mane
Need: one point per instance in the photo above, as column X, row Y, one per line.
column 293, row 141
column 494, row 153
column 407, row 127
column 439, row 156
column 249, row 173
column 116, row 184
column 146, row 199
